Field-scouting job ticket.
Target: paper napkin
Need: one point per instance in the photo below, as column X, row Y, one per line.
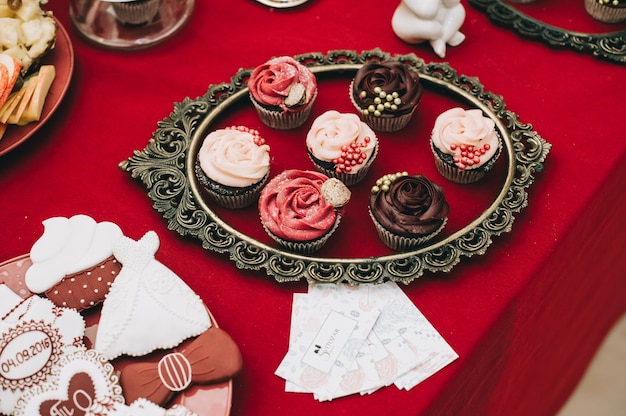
column 348, row 340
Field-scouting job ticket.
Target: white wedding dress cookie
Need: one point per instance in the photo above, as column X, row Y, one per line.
column 148, row 307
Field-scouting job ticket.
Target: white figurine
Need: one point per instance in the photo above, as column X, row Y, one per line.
column 436, row 21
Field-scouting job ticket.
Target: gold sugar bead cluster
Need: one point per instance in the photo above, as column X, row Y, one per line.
column 383, row 184
column 383, row 101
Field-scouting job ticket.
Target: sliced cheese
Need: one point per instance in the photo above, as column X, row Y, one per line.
column 10, row 105
column 28, row 89
column 42, row 86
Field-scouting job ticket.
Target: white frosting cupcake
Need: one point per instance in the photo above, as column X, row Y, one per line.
column 342, row 146
column 233, row 165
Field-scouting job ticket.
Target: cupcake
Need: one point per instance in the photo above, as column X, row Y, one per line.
column 137, row 12
column 283, row 91
column 608, row 11
column 465, row 144
column 407, row 210
column 233, row 164
column 386, row 94
column 301, row 209
column 341, row 146
column 73, row 262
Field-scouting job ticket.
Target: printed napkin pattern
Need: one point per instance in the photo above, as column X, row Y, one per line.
column 357, row 339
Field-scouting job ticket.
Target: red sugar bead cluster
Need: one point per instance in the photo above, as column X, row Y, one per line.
column 468, row 155
column 351, row 156
column 258, row 140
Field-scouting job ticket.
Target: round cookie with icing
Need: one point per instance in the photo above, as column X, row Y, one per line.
column 73, row 262
column 233, row 164
column 386, row 94
column 296, row 209
column 82, row 383
column 407, row 210
column 35, row 335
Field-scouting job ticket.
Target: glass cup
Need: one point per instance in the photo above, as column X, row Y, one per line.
column 124, row 24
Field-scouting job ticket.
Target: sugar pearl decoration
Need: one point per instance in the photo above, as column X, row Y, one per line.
column 258, row 140
column 468, row 155
column 351, row 156
column 383, row 184
column 383, row 101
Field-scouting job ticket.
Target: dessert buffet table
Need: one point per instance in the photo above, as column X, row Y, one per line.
column 524, row 318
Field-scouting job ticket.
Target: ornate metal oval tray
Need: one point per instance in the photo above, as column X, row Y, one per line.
column 166, row 168
column 609, row 46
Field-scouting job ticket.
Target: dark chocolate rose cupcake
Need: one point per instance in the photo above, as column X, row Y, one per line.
column 407, row 210
column 386, row 94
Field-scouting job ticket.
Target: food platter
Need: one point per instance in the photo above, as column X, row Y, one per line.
column 62, row 57
column 166, row 168
column 204, row 400
column 610, row 46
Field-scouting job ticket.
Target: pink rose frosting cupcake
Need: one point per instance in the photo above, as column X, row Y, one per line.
column 233, row 165
column 283, row 91
column 465, row 144
column 342, row 146
column 300, row 209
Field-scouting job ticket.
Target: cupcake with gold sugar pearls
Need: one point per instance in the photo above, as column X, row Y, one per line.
column 386, row 94
column 407, row 210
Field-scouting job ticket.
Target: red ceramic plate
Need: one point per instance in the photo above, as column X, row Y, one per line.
column 62, row 57
column 207, row 400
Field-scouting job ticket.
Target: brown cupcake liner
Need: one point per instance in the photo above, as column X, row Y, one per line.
column 451, row 172
column 304, row 247
column 136, row 12
column 348, row 179
column 85, row 289
column 238, row 198
column 604, row 13
column 401, row 243
column 454, row 174
column 279, row 120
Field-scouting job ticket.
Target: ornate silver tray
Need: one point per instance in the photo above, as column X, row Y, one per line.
column 166, row 168
column 609, row 46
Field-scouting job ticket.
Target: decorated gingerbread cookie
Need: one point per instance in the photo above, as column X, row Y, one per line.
column 35, row 335
column 73, row 262
column 144, row 296
column 81, row 383
column 212, row 357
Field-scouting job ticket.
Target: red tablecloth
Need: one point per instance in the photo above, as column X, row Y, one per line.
column 525, row 318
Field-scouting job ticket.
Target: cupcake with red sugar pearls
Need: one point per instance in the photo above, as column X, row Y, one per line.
column 283, row 92
column 301, row 209
column 233, row 164
column 407, row 210
column 342, row 146
column 386, row 94
column 465, row 144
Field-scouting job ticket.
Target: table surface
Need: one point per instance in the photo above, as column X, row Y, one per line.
column 524, row 318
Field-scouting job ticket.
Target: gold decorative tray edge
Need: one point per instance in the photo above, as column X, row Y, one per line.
column 165, row 166
column 608, row 46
